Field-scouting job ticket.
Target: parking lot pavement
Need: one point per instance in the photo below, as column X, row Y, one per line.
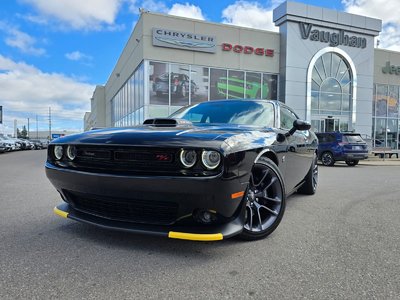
column 381, row 162
column 342, row 243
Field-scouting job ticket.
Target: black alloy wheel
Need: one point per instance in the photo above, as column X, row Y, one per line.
column 310, row 184
column 352, row 163
column 265, row 201
column 327, row 159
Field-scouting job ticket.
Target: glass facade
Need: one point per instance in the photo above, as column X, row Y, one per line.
column 386, row 118
column 169, row 86
column 331, row 93
column 127, row 106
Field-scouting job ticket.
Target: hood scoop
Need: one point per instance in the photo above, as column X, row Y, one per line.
column 167, row 122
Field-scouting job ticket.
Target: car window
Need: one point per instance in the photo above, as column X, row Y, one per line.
column 287, row 117
column 352, row 138
column 234, row 112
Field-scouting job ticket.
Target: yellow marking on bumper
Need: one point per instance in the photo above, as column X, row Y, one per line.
column 237, row 195
column 60, row 212
column 195, row 236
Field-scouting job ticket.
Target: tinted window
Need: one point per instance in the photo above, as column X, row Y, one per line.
column 352, row 138
column 231, row 112
column 326, row 138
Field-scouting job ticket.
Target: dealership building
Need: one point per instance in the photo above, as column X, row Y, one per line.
column 323, row 63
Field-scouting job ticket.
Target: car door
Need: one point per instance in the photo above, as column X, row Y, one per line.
column 300, row 152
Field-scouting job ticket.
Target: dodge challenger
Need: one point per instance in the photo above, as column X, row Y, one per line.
column 208, row 172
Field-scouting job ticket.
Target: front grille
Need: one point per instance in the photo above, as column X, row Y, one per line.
column 127, row 210
column 125, row 159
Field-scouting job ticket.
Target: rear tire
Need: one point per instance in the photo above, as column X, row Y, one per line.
column 310, row 184
column 352, row 163
column 265, row 201
column 327, row 159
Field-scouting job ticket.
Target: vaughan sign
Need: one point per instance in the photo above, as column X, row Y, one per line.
column 333, row 38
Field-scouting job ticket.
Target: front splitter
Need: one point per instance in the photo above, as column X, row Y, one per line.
column 193, row 233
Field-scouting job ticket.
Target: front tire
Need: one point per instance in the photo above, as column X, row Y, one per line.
column 327, row 159
column 265, row 201
column 310, row 184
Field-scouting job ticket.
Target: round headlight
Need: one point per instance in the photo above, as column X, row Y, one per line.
column 58, row 152
column 188, row 158
column 71, row 152
column 210, row 159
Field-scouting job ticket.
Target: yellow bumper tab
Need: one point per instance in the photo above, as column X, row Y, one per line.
column 195, row 236
column 60, row 212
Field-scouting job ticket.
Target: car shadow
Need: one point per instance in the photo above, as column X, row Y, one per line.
column 139, row 242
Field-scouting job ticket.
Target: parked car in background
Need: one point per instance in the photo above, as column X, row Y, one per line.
column 3, row 147
column 11, row 144
column 6, row 144
column 341, row 146
column 178, row 83
column 37, row 144
column 210, row 171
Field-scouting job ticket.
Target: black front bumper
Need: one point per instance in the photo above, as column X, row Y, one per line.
column 195, row 233
column 217, row 194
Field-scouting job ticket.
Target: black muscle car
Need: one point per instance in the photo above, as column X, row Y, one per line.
column 208, row 172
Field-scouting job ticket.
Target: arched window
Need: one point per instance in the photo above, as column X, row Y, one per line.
column 331, row 85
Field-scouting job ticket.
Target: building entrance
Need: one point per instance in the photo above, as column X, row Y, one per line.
column 330, row 124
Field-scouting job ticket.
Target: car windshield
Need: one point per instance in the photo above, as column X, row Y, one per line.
column 352, row 138
column 229, row 112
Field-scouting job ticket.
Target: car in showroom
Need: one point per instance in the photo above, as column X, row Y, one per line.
column 178, row 84
column 233, row 87
column 210, row 171
column 341, row 146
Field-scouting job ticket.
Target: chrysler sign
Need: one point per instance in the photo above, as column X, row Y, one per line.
column 183, row 40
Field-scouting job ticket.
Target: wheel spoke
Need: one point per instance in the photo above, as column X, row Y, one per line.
column 276, row 199
column 250, row 216
column 259, row 206
column 259, row 218
column 273, row 180
column 262, row 179
column 264, row 195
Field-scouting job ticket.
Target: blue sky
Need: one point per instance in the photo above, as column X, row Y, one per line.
column 53, row 53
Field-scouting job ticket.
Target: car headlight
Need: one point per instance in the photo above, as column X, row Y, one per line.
column 58, row 152
column 210, row 159
column 71, row 152
column 188, row 158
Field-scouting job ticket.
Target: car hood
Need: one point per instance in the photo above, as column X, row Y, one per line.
column 230, row 138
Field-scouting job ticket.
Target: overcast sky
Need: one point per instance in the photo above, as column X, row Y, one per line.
column 54, row 52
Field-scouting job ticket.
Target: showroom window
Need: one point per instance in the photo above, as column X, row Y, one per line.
column 331, row 86
column 331, row 82
column 170, row 86
column 177, row 85
column 386, row 118
column 127, row 106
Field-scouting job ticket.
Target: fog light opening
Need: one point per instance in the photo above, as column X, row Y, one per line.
column 205, row 216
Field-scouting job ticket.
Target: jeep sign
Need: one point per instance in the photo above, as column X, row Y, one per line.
column 391, row 69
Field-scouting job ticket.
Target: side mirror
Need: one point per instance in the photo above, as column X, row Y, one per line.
column 298, row 125
column 301, row 125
